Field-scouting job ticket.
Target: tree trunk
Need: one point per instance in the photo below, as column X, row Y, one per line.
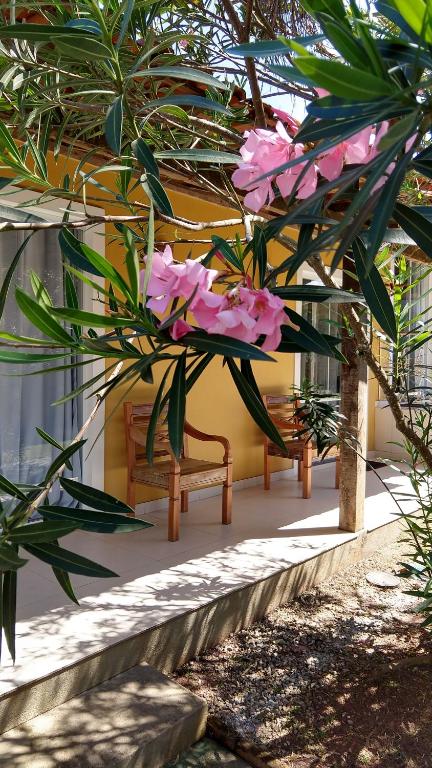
column 354, row 408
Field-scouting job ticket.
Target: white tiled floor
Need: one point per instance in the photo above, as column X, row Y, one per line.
column 158, row 579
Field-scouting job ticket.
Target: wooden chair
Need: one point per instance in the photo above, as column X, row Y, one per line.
column 178, row 477
column 281, row 409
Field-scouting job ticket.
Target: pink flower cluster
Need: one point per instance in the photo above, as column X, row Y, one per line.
column 242, row 313
column 265, row 150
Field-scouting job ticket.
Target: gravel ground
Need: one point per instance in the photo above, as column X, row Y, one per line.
column 327, row 680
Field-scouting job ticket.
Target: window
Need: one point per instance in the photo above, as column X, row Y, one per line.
column 26, row 401
column 322, row 371
column 420, row 315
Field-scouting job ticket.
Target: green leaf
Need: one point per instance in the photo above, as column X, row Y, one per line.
column 402, row 129
column 183, row 73
column 41, row 319
column 334, row 8
column 224, row 345
column 418, row 227
column 11, row 489
column 71, row 299
column 247, row 371
column 177, row 406
column 102, row 266
column 145, row 157
column 343, row 81
column 290, row 74
column 260, row 253
column 114, row 125
column 52, row 441
column 73, row 250
column 344, row 42
column 10, row 273
column 385, row 208
column 7, row 144
column 65, row 583
column 7, row 356
column 374, row 290
column 417, row 15
column 90, row 318
column 157, row 194
column 260, row 49
column 35, row 32
column 197, row 370
column 95, row 498
column 63, row 457
column 9, row 596
column 212, row 156
column 85, row 25
column 188, row 99
column 41, row 294
column 154, row 418
column 133, row 267
column 68, row 561
column 9, row 559
column 255, row 405
column 317, row 293
column 80, row 48
column 91, row 520
column 307, row 336
column 219, row 244
column 127, row 15
column 35, row 533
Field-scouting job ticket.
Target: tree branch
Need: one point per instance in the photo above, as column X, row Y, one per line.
column 365, row 349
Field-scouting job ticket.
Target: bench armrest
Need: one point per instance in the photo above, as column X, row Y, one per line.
column 198, row 435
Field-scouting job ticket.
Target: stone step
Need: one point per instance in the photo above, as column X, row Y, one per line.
column 208, row 754
column 138, row 719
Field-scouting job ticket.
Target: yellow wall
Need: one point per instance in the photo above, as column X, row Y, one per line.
column 214, row 405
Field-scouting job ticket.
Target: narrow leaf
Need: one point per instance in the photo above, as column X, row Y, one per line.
column 254, row 405
column 93, row 497
column 68, row 561
column 177, row 406
column 374, row 290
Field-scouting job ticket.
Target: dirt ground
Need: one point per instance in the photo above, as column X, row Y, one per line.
column 340, row 678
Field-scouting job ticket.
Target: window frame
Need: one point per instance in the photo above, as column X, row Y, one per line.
column 93, row 473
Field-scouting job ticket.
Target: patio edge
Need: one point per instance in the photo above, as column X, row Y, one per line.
column 169, row 645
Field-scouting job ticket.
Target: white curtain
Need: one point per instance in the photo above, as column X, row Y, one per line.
column 26, row 402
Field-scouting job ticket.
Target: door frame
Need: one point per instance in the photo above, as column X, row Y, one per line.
column 15, row 197
column 306, row 272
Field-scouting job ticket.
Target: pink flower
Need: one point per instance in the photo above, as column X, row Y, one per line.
column 234, row 317
column 289, row 121
column 180, row 328
column 287, row 180
column 243, row 313
column 169, row 280
column 205, row 307
column 263, row 152
column 270, row 313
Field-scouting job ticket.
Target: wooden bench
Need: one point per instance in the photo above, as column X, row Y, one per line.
column 281, row 409
column 177, row 476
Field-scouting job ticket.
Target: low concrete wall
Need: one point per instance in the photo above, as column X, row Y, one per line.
column 173, row 643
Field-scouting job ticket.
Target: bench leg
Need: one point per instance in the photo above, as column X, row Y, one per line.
column 266, row 469
column 307, row 471
column 227, row 498
column 131, row 497
column 185, row 501
column 337, row 472
column 300, row 470
column 174, row 507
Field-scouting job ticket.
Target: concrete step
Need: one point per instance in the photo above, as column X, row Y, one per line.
column 208, row 754
column 138, row 719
